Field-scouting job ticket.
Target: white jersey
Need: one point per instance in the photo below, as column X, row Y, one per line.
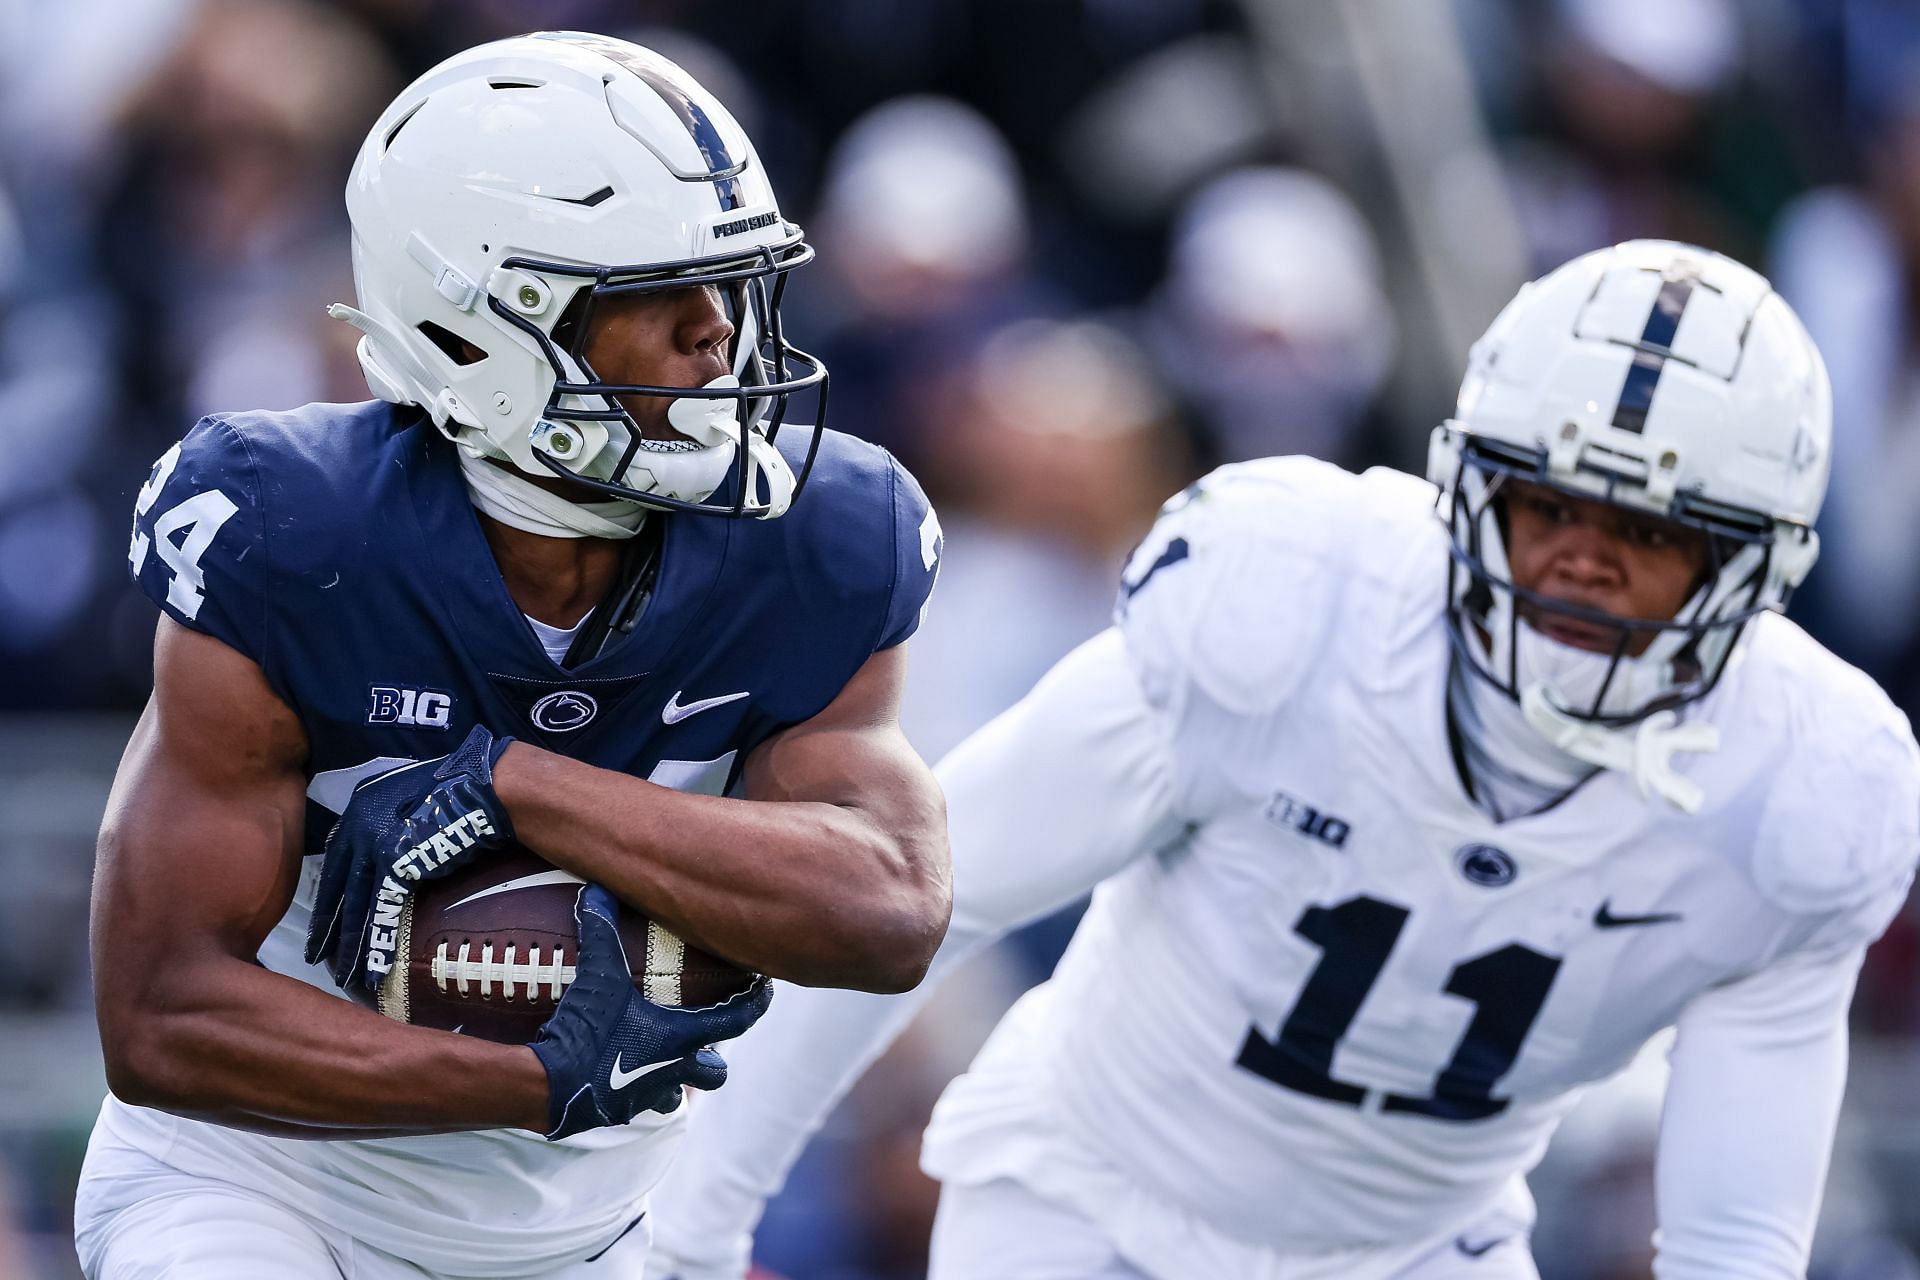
column 497, row 1202
column 1322, row 1006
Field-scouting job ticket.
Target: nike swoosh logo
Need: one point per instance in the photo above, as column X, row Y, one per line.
column 616, row 1240
column 1605, row 919
column 1477, row 1250
column 675, row 711
column 621, row 1079
column 533, row 881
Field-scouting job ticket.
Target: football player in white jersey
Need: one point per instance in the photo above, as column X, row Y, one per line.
column 1410, row 810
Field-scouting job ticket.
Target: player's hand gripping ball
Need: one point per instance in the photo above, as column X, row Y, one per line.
column 491, row 950
column 415, row 823
column 610, row 1053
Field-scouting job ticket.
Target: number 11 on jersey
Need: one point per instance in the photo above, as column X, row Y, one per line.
column 1507, row 987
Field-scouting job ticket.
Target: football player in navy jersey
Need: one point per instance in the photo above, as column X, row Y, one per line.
column 572, row 579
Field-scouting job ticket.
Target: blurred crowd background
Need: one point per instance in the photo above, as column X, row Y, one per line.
column 1072, row 252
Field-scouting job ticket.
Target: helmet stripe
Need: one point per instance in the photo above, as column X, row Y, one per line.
column 722, row 168
column 1652, row 351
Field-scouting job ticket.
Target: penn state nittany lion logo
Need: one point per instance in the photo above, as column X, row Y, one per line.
column 1485, row 865
column 565, row 711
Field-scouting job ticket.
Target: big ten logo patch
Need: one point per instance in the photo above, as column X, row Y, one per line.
column 1287, row 811
column 416, row 708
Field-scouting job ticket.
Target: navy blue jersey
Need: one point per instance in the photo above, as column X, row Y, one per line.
column 336, row 546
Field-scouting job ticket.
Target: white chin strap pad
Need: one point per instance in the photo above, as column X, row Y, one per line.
column 713, row 427
column 1575, row 677
column 677, row 469
column 1643, row 751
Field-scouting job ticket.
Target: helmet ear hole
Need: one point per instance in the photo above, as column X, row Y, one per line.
column 451, row 345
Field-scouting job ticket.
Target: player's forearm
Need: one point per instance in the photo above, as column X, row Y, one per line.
column 816, row 893
column 229, row 1042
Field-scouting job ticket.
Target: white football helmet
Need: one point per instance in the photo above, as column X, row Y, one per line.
column 1662, row 378
column 512, row 185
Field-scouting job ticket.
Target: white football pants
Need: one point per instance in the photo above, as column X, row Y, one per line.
column 1000, row 1230
column 136, row 1218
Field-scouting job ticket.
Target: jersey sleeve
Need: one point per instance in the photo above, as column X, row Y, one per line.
column 198, row 548
column 1759, row 1067
column 917, row 545
column 1840, row 831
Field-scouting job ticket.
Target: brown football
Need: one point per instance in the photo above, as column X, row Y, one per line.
column 489, row 950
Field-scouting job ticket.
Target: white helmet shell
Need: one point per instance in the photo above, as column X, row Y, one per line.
column 511, row 178
column 1660, row 377
column 1677, row 369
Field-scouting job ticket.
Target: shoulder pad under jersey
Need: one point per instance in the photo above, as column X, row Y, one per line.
column 917, row 545
column 253, row 509
column 864, row 541
column 1839, row 830
column 1236, row 589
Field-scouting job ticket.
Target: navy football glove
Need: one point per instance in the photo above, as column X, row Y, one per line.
column 417, row 822
column 609, row 1052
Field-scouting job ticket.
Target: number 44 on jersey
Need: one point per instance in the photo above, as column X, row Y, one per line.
column 198, row 518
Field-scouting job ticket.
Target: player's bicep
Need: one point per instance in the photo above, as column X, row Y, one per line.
column 872, row 829
column 1061, row 791
column 852, row 753
column 199, row 850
